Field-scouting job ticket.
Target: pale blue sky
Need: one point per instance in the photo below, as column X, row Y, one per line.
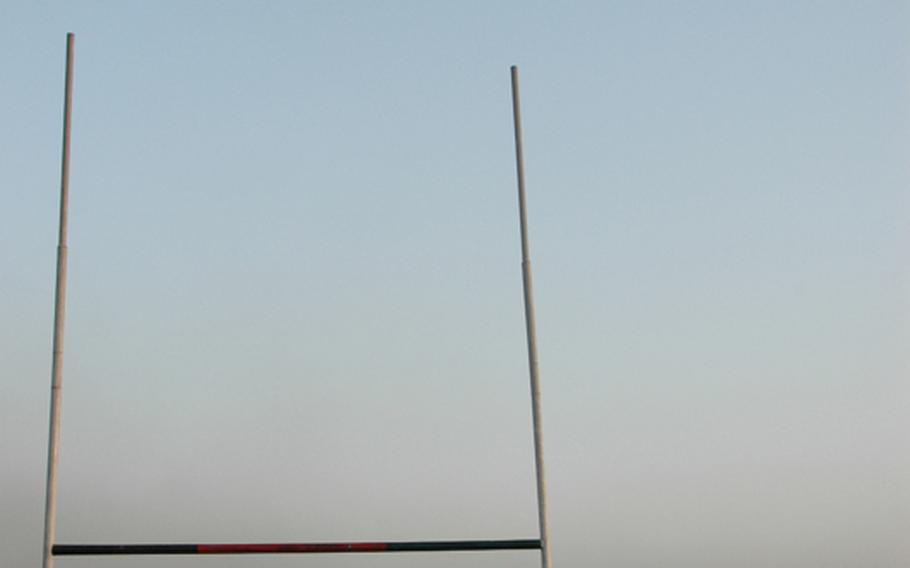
column 294, row 303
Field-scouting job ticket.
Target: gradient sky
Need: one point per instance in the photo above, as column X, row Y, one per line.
column 294, row 306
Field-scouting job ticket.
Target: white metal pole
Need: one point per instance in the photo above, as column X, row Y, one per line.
column 50, row 508
column 531, row 331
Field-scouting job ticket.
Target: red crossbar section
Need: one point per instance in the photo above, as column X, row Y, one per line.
column 290, row 548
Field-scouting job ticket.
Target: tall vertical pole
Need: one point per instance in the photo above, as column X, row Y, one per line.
column 50, row 507
column 531, row 331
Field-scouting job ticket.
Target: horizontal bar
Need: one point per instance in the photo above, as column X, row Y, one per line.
column 293, row 547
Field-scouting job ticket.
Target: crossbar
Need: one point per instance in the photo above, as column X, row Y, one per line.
column 293, row 547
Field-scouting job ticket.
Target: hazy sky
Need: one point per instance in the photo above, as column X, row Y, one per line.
column 294, row 307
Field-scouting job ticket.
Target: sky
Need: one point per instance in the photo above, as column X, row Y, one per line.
column 294, row 304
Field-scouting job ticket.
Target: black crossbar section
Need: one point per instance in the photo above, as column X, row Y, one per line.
column 293, row 547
